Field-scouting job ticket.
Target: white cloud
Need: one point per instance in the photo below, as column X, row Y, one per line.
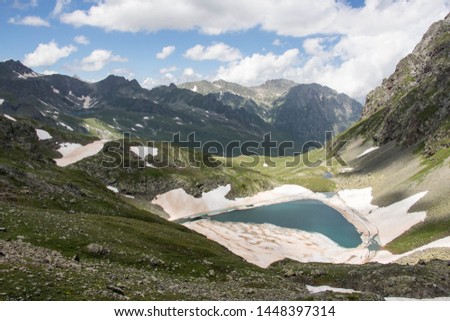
column 60, row 6
column 98, row 59
column 165, row 52
column 18, row 4
column 124, row 72
column 167, row 69
column 188, row 72
column 49, row 72
column 277, row 42
column 150, row 83
column 47, row 54
column 218, row 51
column 370, row 39
column 32, row 21
column 258, row 68
column 82, row 40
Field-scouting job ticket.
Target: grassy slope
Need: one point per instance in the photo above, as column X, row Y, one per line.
column 63, row 209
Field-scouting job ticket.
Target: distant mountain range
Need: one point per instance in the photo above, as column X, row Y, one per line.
column 217, row 110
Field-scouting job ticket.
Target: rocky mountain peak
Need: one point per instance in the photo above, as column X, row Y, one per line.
column 16, row 67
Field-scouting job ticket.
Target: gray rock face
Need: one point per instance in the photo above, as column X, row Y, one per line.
column 306, row 112
column 413, row 104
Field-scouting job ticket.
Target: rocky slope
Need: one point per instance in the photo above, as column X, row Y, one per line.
column 405, row 137
column 308, row 111
column 303, row 112
column 413, row 104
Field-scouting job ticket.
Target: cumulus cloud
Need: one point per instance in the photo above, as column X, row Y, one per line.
column 98, row 59
column 82, row 40
column 168, row 76
column 290, row 17
column 257, row 68
column 218, row 51
column 369, row 40
column 165, row 52
column 47, row 54
column 189, row 74
column 32, row 21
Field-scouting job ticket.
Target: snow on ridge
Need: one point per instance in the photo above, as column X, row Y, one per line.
column 43, row 135
column 26, row 75
column 195, row 88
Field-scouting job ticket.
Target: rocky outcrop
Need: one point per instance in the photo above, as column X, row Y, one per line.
column 413, row 104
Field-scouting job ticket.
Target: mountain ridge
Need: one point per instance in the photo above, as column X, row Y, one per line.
column 223, row 111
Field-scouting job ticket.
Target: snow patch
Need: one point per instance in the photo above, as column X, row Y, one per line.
column 145, row 118
column 73, row 152
column 26, row 75
column 1, row 101
column 87, row 102
column 139, row 125
column 367, row 151
column 43, row 135
column 56, row 91
column 263, row 244
column 143, row 151
column 323, row 288
column 178, row 204
column 65, row 125
column 194, row 89
column 10, row 118
column 112, row 188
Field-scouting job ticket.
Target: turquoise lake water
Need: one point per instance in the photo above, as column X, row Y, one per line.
column 306, row 215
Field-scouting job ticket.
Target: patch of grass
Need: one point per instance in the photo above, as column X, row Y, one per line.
column 419, row 235
column 100, row 129
column 432, row 162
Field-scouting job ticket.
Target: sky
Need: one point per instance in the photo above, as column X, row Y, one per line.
column 348, row 45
